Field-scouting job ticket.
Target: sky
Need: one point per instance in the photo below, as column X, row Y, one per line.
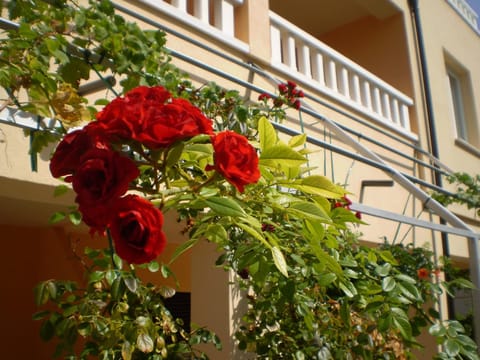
column 475, row 4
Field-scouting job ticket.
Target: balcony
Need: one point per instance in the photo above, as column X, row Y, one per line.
column 300, row 56
column 466, row 12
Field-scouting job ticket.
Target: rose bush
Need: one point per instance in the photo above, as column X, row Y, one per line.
column 313, row 291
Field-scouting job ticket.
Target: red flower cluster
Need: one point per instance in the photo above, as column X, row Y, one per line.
column 100, row 175
column 345, row 203
column 423, row 274
column 289, row 95
column 152, row 117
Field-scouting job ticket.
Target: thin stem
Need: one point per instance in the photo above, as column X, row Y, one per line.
column 111, row 249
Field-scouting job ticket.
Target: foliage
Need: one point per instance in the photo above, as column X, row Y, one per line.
column 467, row 191
column 121, row 317
column 313, row 290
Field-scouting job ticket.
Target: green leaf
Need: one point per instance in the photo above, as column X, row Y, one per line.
column 318, row 185
column 254, row 232
column 388, row 284
column 40, row 315
column 224, row 206
column 297, row 140
column 308, row 210
column 217, row 234
column 281, row 155
column 144, row 343
column 47, row 330
column 384, row 269
column 131, row 283
column 348, row 288
column 279, row 260
column 60, row 190
column 326, row 279
column 117, row 260
column 183, row 248
column 266, row 133
column 387, row 256
column 452, row 347
column 174, row 154
column 127, row 351
column 41, row 293
column 153, row 266
column 75, row 217
column 405, row 278
column 57, row 217
column 401, row 322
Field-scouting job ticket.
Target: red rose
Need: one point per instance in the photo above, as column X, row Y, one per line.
column 149, row 116
column 235, row 159
column 177, row 120
column 67, row 155
column 101, row 176
column 97, row 217
column 123, row 117
column 136, row 230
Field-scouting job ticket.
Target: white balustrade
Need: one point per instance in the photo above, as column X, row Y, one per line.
column 299, row 54
column 465, row 10
column 215, row 17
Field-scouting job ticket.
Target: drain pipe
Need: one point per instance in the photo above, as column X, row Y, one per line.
column 417, row 28
column 473, row 243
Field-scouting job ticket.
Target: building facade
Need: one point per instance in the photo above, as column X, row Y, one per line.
column 391, row 106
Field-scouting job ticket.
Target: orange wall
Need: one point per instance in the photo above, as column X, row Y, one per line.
column 377, row 45
column 34, row 254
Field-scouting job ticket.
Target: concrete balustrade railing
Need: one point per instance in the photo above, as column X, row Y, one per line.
column 298, row 53
column 214, row 17
column 465, row 11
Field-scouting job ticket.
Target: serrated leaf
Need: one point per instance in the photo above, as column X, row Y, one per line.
column 318, row 185
column 326, row 279
column 117, row 260
column 41, row 294
column 401, row 322
column 167, row 292
column 75, row 217
column 224, row 206
column 308, row 210
column 57, row 217
column 217, row 234
column 183, row 248
column 297, row 140
column 254, row 232
column 60, row 190
column 281, row 155
column 279, row 260
column 388, row 284
column 127, row 351
column 267, row 134
column 405, row 278
column 452, row 347
column 348, row 288
column 437, row 330
column 131, row 283
column 144, row 343
column 153, row 266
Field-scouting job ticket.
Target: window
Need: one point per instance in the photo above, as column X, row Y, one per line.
column 462, row 104
column 457, row 103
